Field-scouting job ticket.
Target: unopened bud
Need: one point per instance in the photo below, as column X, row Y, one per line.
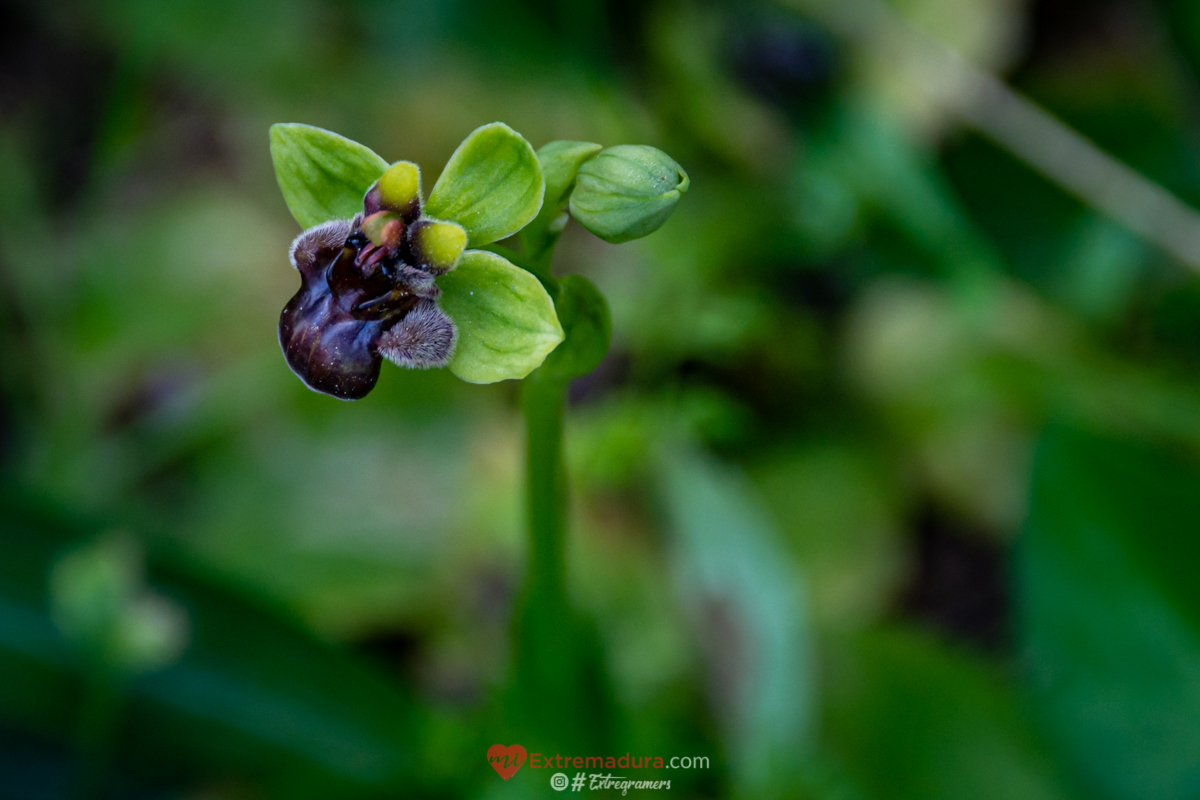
column 627, row 192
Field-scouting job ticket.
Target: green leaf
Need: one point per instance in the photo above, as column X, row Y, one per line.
column 839, row 513
column 506, row 321
column 909, row 718
column 1109, row 613
column 627, row 192
column 492, row 185
column 323, row 176
column 560, row 162
column 584, row 315
column 253, row 698
column 728, row 556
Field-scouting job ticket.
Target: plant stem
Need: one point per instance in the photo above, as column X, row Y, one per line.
column 559, row 679
column 559, row 676
column 545, row 678
column 545, row 489
column 97, row 725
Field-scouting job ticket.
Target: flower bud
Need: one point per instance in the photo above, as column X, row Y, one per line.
column 627, row 192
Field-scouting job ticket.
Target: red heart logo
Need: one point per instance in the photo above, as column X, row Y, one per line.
column 506, row 760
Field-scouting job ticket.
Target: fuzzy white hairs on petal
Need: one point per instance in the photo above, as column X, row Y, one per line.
column 328, row 237
column 424, row 339
column 418, row 281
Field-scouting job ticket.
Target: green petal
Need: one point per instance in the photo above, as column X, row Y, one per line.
column 492, row 185
column 506, row 321
column 323, row 176
column 560, row 161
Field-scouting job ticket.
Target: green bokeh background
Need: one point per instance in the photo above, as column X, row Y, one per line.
column 889, row 487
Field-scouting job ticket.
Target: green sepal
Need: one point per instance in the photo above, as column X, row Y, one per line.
column 583, row 313
column 322, row 175
column 506, row 321
column 627, row 192
column 560, row 162
column 492, row 185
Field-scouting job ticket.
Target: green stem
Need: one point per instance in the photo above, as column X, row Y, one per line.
column 545, row 489
column 559, row 676
column 546, row 668
column 96, row 728
column 559, row 673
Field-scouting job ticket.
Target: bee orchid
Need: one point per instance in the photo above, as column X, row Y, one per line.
column 391, row 276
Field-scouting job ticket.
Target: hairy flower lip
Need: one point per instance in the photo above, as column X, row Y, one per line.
column 327, row 341
column 336, row 329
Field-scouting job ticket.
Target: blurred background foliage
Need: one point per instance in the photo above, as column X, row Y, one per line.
column 889, row 488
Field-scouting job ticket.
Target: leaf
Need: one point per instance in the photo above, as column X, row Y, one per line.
column 730, row 565
column 911, row 719
column 322, row 175
column 839, row 513
column 1109, row 613
column 252, row 698
column 492, row 185
column 584, row 315
column 560, row 162
column 506, row 322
